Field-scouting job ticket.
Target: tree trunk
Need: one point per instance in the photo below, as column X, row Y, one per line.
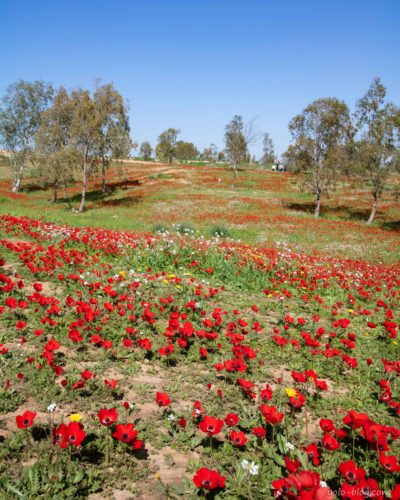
column 84, row 185
column 16, row 185
column 234, row 175
column 55, row 192
column 18, row 172
column 103, row 175
column 317, row 206
column 373, row 208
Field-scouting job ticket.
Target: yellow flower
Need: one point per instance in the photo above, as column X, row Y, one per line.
column 394, row 342
column 178, row 286
column 350, row 310
column 122, row 273
column 165, row 281
column 75, row 417
column 291, row 393
column 171, row 276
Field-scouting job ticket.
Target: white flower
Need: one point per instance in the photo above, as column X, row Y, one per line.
column 253, row 469
column 171, row 417
column 323, row 484
column 52, row 407
column 289, row 446
column 245, row 464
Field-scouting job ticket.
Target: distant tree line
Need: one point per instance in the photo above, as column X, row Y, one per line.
column 64, row 132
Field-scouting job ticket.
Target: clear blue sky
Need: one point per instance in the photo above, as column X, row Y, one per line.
column 193, row 64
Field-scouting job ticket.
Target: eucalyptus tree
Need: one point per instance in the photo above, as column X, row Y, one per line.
column 269, row 156
column 165, row 149
column 146, row 150
column 235, row 143
column 53, row 149
column 20, row 116
column 320, row 135
column 114, row 132
column 377, row 148
column 185, row 151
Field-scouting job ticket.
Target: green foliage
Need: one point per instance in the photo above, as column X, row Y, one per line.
column 320, row 134
column 146, row 151
column 220, row 231
column 58, row 478
column 235, row 141
column 165, row 149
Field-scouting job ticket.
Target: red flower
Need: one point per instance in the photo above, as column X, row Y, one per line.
column 25, row 420
column 112, row 384
column 313, row 453
column 330, row 443
column 75, row 433
column 238, row 438
column 267, row 393
column 297, row 401
column 292, row 466
column 271, row 414
column 162, row 399
column 107, row 417
column 231, row 419
column 326, row 424
column 208, row 479
column 304, row 480
column 348, row 491
column 182, row 423
column 396, row 493
column 126, row 433
column 144, row 344
column 60, row 436
column 86, row 375
column 389, row 462
column 350, row 472
column 198, row 410
column 259, row 432
column 211, row 425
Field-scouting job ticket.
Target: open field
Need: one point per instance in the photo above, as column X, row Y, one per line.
column 266, row 207
column 138, row 355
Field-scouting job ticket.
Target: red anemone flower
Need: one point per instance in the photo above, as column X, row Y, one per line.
column 126, row 433
column 271, row 414
column 25, row 420
column 231, row 419
column 208, row 479
column 211, row 425
column 259, row 432
column 75, row 433
column 238, row 438
column 389, row 462
column 162, row 399
column 107, row 417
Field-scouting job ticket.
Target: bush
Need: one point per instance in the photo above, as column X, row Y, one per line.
column 220, row 231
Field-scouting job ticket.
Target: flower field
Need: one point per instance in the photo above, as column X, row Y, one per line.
column 170, row 365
